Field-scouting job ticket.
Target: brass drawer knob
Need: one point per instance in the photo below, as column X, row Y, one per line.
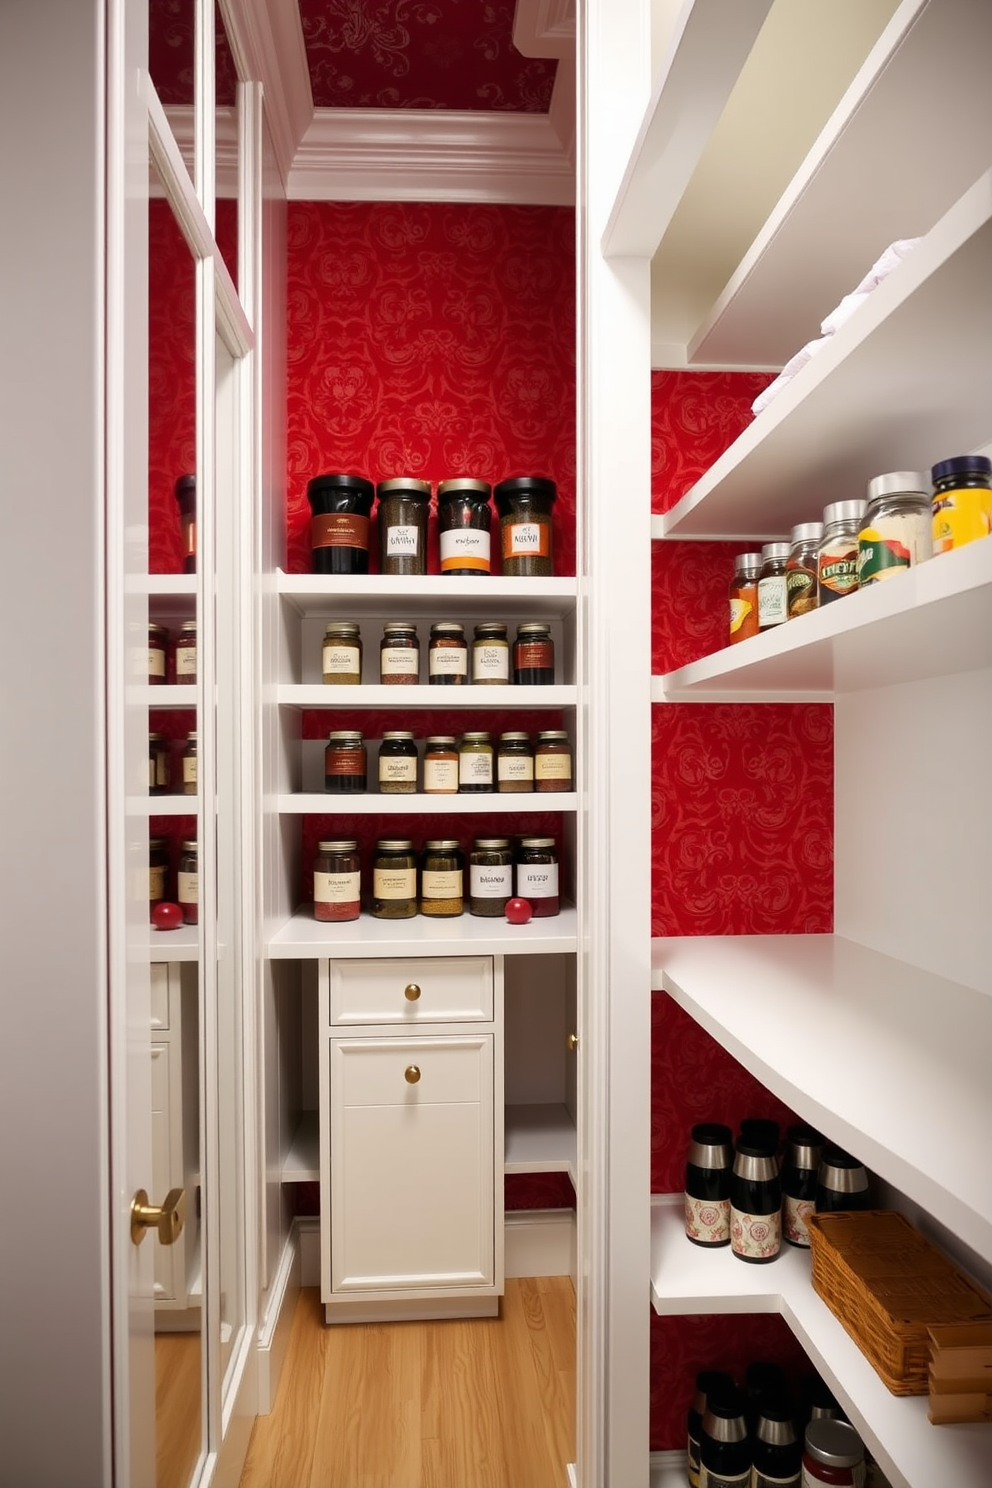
column 166, row 1219
column 411, row 992
column 411, row 1074
column 572, row 1042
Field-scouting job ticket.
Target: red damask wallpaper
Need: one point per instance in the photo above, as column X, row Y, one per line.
column 171, row 32
column 694, row 417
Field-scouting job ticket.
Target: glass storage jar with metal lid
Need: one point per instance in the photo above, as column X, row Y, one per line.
column 397, row 763
column 441, row 765
column 464, row 517
column 837, row 555
column 537, row 875
column 708, row 1382
column 800, row 569
column 552, row 762
column 159, row 765
column 841, row 1182
column 345, row 762
column 341, row 505
column 475, row 763
column 490, row 876
column 447, row 654
column 534, row 655
column 776, row 1449
column 188, row 883
column 402, row 513
column 755, row 1205
column 707, row 1184
column 185, row 492
column 803, row 1148
column 399, row 654
column 514, row 763
column 490, row 654
column 158, row 646
column 524, row 504
column 186, row 654
column 834, row 1453
column 744, row 597
column 158, row 869
column 442, row 878
column 772, row 608
column 337, row 881
column 394, row 879
column 897, row 531
column 189, row 765
column 724, row 1449
column 962, row 501
column 341, row 654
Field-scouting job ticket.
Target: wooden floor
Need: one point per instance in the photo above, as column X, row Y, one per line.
column 177, row 1407
column 484, row 1403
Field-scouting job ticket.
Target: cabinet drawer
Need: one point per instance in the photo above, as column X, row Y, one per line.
column 373, row 1072
column 408, row 991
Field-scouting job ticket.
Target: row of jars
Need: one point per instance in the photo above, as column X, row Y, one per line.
column 340, row 525
column 530, row 661
column 737, row 1194
column 184, row 654
column 187, row 878
column 161, row 771
column 434, row 882
column 470, row 765
column 860, row 543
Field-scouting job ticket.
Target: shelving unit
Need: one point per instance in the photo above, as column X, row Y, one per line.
column 304, row 938
column 372, row 695
column 374, row 804
column 539, row 1139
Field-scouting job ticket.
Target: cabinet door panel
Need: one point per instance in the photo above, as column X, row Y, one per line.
column 443, row 989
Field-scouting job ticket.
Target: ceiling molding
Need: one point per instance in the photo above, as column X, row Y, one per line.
column 544, row 28
column 266, row 37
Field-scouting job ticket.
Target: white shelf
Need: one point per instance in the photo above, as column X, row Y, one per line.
column 304, row 938
column 928, row 622
column 162, row 586
column 372, row 594
column 161, row 805
column 170, row 696
column 402, row 699
column 686, row 1280
column 903, row 384
column 302, row 1161
column 539, row 1139
column 181, row 944
column 371, row 803
column 891, row 1062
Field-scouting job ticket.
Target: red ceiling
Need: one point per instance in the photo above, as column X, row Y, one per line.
column 171, row 30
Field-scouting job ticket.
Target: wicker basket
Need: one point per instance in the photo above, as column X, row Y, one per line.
column 886, row 1284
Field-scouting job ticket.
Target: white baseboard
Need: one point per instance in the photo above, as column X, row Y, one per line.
column 273, row 1334
column 539, row 1242
column 668, row 1469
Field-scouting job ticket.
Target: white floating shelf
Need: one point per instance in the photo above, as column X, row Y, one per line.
column 402, row 699
column 302, row 1161
column 161, row 805
column 304, row 938
column 866, row 1048
column 181, row 944
column 419, row 598
column 162, row 586
column 373, row 804
column 930, row 621
column 539, row 1139
column 169, row 696
column 686, row 1280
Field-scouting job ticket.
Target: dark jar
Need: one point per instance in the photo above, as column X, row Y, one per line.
column 394, row 879
column 341, row 654
column 442, row 879
column 772, row 606
column 490, row 654
column 755, row 1205
column 464, row 518
column 724, row 1450
column 707, row 1184
column 337, row 881
column 186, row 498
column 776, row 1449
column 962, row 501
column 533, row 656
column 159, row 765
column 803, row 1146
column 834, row 1454
column 800, row 570
column 188, row 882
column 158, row 870
column 552, row 762
column 475, row 763
column 490, row 877
column 186, row 654
column 447, row 655
column 537, row 875
column 399, row 654
column 708, row 1382
column 190, row 765
column 524, row 504
column 514, row 764
column 744, row 597
column 841, row 1182
column 339, row 527
column 158, row 646
column 761, row 1132
column 441, row 765
column 761, row 1379
column 345, row 762
column 397, row 764
column 403, row 509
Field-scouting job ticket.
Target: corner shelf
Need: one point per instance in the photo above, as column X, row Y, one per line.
column 539, row 1139
column 374, row 695
column 371, row 803
column 304, row 938
column 371, row 594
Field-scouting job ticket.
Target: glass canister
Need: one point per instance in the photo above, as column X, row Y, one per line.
column 841, row 1182
column 475, row 763
column 514, row 763
column 159, row 765
column 189, row 765
column 490, row 654
column 464, row 517
column 707, row 1184
column 394, row 879
column 158, row 870
column 772, row 605
column 961, row 506
column 186, row 497
column 186, row 654
column 341, row 654
column 776, row 1448
column 402, row 513
column 397, row 763
column 537, row 875
column 441, row 765
column 189, row 883
column 534, row 655
column 744, row 597
column 447, row 655
column 837, row 555
column 552, row 762
column 337, row 881
column 399, row 654
column 708, row 1382
column 524, row 504
column 803, row 1147
column 442, row 879
column 755, row 1205
column 339, row 526
column 490, row 876
column 724, row 1449
column 800, row 569
column 897, row 532
column 834, row 1453
column 158, row 646
column 345, row 762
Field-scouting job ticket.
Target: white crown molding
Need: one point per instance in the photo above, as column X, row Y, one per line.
column 544, row 28
column 266, row 37
column 182, row 122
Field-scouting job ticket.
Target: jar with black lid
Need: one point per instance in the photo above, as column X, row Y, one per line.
column 514, row 764
column 188, row 883
column 186, row 497
column 190, row 764
column 441, row 765
column 158, row 870
column 800, row 569
column 761, row 1378
column 345, row 762
column 341, row 654
column 744, row 597
column 339, row 527
column 772, row 606
column 158, row 645
column 761, row 1132
column 464, row 517
column 475, row 763
column 442, row 879
column 724, row 1449
column 337, row 881
column 708, row 1382
column 897, row 531
column 819, row 1401
column 962, row 501
column 397, row 763
column 394, row 879
column 537, row 875
column 534, row 655
column 490, row 876
column 776, row 1448
column 837, row 555
column 186, row 654
column 755, row 1205
column 834, row 1453
column 399, row 654
column 490, row 654
column 803, row 1146
column 707, row 1184
column 447, row 655
column 403, row 508
column 841, row 1182
column 159, row 765
column 552, row 762
column 524, row 504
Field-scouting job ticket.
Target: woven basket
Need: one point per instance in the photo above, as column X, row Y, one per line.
column 886, row 1284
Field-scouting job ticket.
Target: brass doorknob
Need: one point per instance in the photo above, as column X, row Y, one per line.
column 411, row 1074
column 168, row 1218
column 572, row 1042
column 411, row 992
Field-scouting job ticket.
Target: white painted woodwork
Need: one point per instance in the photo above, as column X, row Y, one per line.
column 302, row 1161
column 375, row 991
column 453, row 699
column 419, row 595
column 374, row 804
column 301, row 936
column 539, row 1139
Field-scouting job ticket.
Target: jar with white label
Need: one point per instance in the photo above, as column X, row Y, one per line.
column 188, row 883
column 475, row 763
column 337, row 881
column 514, row 764
column 524, row 503
column 441, row 765
column 189, row 765
column 464, row 517
column 399, row 654
column 345, row 762
column 772, row 591
column 490, row 654
column 490, row 877
column 186, row 654
column 158, row 645
column 534, row 655
column 552, row 762
column 447, row 655
column 403, row 507
column 159, row 765
column 897, row 532
column 537, row 875
column 442, row 879
column 397, row 767
column 394, row 880
column 341, row 654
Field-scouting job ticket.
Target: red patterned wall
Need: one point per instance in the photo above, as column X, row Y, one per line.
column 694, row 417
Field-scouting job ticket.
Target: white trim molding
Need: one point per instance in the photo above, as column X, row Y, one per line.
column 266, row 37
column 546, row 28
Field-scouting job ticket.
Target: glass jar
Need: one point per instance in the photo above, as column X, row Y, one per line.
column 447, row 655
column 707, row 1184
column 490, row 877
column 442, row 877
column 755, row 1205
column 341, row 654
column 397, row 764
column 524, row 504
column 803, row 1147
column 897, row 531
column 464, row 518
column 724, row 1450
column 772, row 609
column 490, row 654
column 188, row 883
column 158, row 870
column 186, row 498
column 800, row 570
column 189, row 765
column 837, row 555
column 186, row 654
column 403, row 508
column 962, row 501
column 834, row 1454
column 394, row 879
column 159, row 765
column 158, row 646
column 744, row 597
column 339, row 525
column 399, row 654
column 514, row 764
column 841, row 1182
column 534, row 655
column 537, row 875
column 475, row 763
column 337, row 881
column 441, row 765
column 552, row 762
column 708, row 1382
column 345, row 762
column 776, row 1449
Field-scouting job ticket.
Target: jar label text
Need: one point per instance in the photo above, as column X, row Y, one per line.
column 475, row 769
column 526, row 540
column 397, row 769
column 449, row 661
column 465, row 547
column 491, row 663
column 336, row 888
column 185, row 661
column 553, row 766
column 402, row 542
column 340, row 659
column 399, row 661
column 188, row 888
column 515, row 767
column 491, row 883
column 537, row 880
column 445, row 885
column 339, row 530
column 156, row 663
column 441, row 776
column 189, row 769
column 394, row 883
column 795, row 1213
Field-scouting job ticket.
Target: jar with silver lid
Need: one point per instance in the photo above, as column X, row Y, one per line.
column 447, row 654
column 897, row 532
column 341, row 654
column 442, row 879
column 397, row 763
column 441, row 765
column 402, row 513
column 841, row 1182
column 724, row 1449
column 755, row 1205
column 394, row 879
column 837, row 555
column 345, row 762
column 337, row 881
column 834, row 1454
column 800, row 569
column 490, row 654
column 399, row 654
column 514, row 763
column 772, row 607
column 187, row 883
column 186, row 654
column 190, row 764
column 490, row 876
column 475, row 763
column 537, row 875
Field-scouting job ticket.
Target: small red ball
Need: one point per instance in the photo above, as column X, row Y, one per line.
column 166, row 916
column 518, row 911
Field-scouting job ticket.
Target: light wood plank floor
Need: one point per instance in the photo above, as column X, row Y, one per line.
column 177, row 1407
column 480, row 1403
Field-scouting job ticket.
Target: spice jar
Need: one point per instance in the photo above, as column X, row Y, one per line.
column 524, row 504
column 897, row 531
column 534, row 655
column 442, row 879
column 186, row 497
column 962, row 501
column 841, row 1182
column 339, row 526
column 837, row 555
column 800, row 570
column 189, row 884
column 475, row 763
column 158, row 868
column 537, row 875
column 552, row 762
column 399, row 654
column 724, row 1450
column 708, row 1382
column 707, row 1184
column 776, row 1449
column 803, row 1147
column 744, row 597
column 159, row 765
column 490, row 876
column 341, row 654
column 464, row 517
column 772, row 608
column 186, row 654
column 490, row 654
column 834, row 1454
column 345, row 762
column 158, row 645
column 337, row 881
column 755, row 1205
column 447, row 654
column 397, row 765
column 189, row 765
column 402, row 512
column 514, row 763
column 441, row 765
column 394, row 879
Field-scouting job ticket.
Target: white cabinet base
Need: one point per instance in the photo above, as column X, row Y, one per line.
column 409, row 1310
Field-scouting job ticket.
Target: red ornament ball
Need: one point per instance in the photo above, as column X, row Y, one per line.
column 518, row 911
column 167, row 916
